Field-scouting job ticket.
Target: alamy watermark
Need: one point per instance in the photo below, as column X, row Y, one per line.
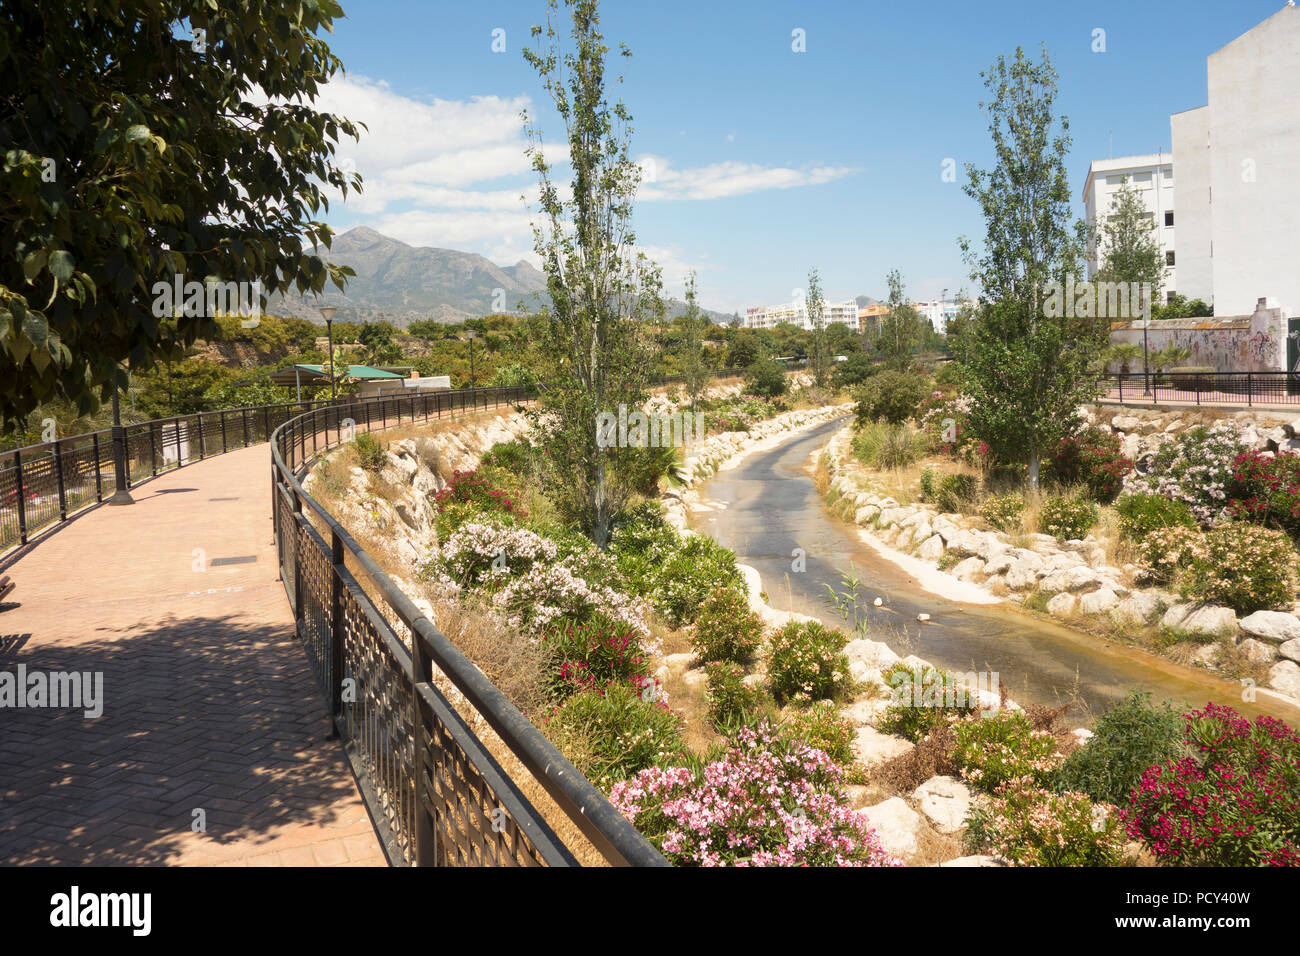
column 640, row 430
column 1098, row 300
column 208, row 299
column 58, row 690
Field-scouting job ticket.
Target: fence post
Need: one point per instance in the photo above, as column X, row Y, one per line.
column 99, row 486
column 153, row 450
column 202, row 445
column 22, row 495
column 1250, row 390
column 58, row 477
column 243, row 414
column 266, row 422
column 222, row 416
column 425, row 843
column 337, row 631
column 176, row 430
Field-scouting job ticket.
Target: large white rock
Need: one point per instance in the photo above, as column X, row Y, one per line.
column 865, row 514
column 945, row 803
column 931, row 548
column 872, row 747
column 1257, row 651
column 1078, row 578
column 968, row 569
column 1291, row 650
column 1137, row 608
column 999, row 562
column 871, row 653
column 1023, row 573
column 1272, row 625
column 1062, row 605
column 1285, row 676
column 1201, row 619
column 892, row 516
column 1099, row 601
column 896, row 824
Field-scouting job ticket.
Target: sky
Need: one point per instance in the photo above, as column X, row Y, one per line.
column 760, row 162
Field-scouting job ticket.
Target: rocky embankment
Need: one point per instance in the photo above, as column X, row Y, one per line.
column 1074, row 576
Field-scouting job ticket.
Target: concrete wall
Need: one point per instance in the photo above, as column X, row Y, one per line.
column 1191, row 139
column 1254, row 89
column 1247, row 343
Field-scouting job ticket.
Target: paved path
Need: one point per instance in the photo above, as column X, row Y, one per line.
column 208, row 702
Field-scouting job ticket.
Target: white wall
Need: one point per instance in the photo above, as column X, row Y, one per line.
column 1191, row 139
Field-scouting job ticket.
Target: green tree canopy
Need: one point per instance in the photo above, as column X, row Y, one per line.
column 145, row 140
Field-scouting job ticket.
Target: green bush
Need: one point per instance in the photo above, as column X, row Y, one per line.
column 996, row 748
column 766, row 378
column 885, row 446
column 891, row 396
column 1093, row 459
column 1245, row 567
column 1065, row 517
column 1003, row 511
column 592, row 655
column 726, row 629
column 1127, row 739
column 955, row 492
column 1141, row 513
column 612, row 735
column 732, row 702
column 823, row 727
column 921, row 700
column 370, row 451
column 1030, row 826
column 807, row 663
column 927, row 484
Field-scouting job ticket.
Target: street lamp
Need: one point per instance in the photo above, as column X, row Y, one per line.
column 471, row 335
column 120, row 495
column 327, row 313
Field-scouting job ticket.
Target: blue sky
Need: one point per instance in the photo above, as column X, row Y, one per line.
column 766, row 161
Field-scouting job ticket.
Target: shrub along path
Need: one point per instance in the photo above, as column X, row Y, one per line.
column 210, row 712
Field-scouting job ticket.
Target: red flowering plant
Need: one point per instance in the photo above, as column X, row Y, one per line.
column 1265, row 489
column 1092, row 458
column 594, row 654
column 1235, row 802
column 468, row 487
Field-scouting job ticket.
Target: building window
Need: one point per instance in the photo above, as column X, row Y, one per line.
column 1169, row 296
column 1169, row 258
column 1169, row 218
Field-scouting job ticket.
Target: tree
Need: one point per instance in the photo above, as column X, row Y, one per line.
column 1125, row 353
column 600, row 288
column 1180, row 307
column 1129, row 250
column 766, row 378
column 693, row 367
column 147, row 140
column 816, row 304
column 1026, row 370
column 378, row 347
column 900, row 330
column 744, row 349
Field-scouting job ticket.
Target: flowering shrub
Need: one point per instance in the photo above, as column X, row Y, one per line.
column 768, row 801
column 1265, row 489
column 922, row 700
column 1243, row 566
column 944, row 418
column 1026, row 825
column 823, row 727
column 1236, row 802
column 1140, row 514
column 1003, row 511
column 725, row 628
column 807, row 663
column 523, row 575
column 612, row 735
column 1065, row 517
column 732, row 701
column 1091, row 458
column 471, row 488
column 1165, row 552
column 997, row 748
column 590, row 656
column 674, row 574
column 1196, row 469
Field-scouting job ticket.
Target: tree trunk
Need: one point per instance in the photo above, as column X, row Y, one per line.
column 1033, row 469
column 599, row 510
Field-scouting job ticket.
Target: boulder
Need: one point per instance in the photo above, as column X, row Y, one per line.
column 1125, row 423
column 968, row 569
column 892, row 516
column 999, row 563
column 1291, row 650
column 874, row 654
column 1023, row 572
column 1272, row 625
column 1098, row 602
column 1257, row 651
column 945, row 803
column 1285, row 677
column 1200, row 619
column 866, row 514
column 1138, row 608
column 931, row 548
column 873, row 747
column 1062, row 605
column 896, row 824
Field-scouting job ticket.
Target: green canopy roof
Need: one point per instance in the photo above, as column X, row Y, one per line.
column 307, row 373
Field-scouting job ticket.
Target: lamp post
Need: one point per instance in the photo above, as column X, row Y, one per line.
column 327, row 313
column 1146, row 365
column 471, row 334
column 120, row 495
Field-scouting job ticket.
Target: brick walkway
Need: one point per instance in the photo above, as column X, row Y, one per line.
column 208, row 701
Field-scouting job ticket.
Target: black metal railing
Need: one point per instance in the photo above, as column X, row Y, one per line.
column 1204, row 388
column 437, row 793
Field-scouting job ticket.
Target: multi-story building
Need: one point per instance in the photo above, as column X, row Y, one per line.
column 1238, row 188
column 870, row 317
column 1152, row 178
column 939, row 312
column 796, row 314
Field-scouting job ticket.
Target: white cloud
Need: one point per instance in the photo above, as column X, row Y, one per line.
column 730, row 178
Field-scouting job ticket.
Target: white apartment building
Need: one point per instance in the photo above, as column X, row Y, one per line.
column 1152, row 178
column 939, row 312
column 1238, row 189
column 796, row 313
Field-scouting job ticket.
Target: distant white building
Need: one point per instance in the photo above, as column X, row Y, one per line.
column 1152, row 178
column 796, row 313
column 1238, row 191
column 939, row 312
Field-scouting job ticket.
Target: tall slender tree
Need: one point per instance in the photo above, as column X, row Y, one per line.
column 1128, row 249
column 815, row 302
column 900, row 330
column 693, row 367
column 1028, row 371
column 600, row 287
